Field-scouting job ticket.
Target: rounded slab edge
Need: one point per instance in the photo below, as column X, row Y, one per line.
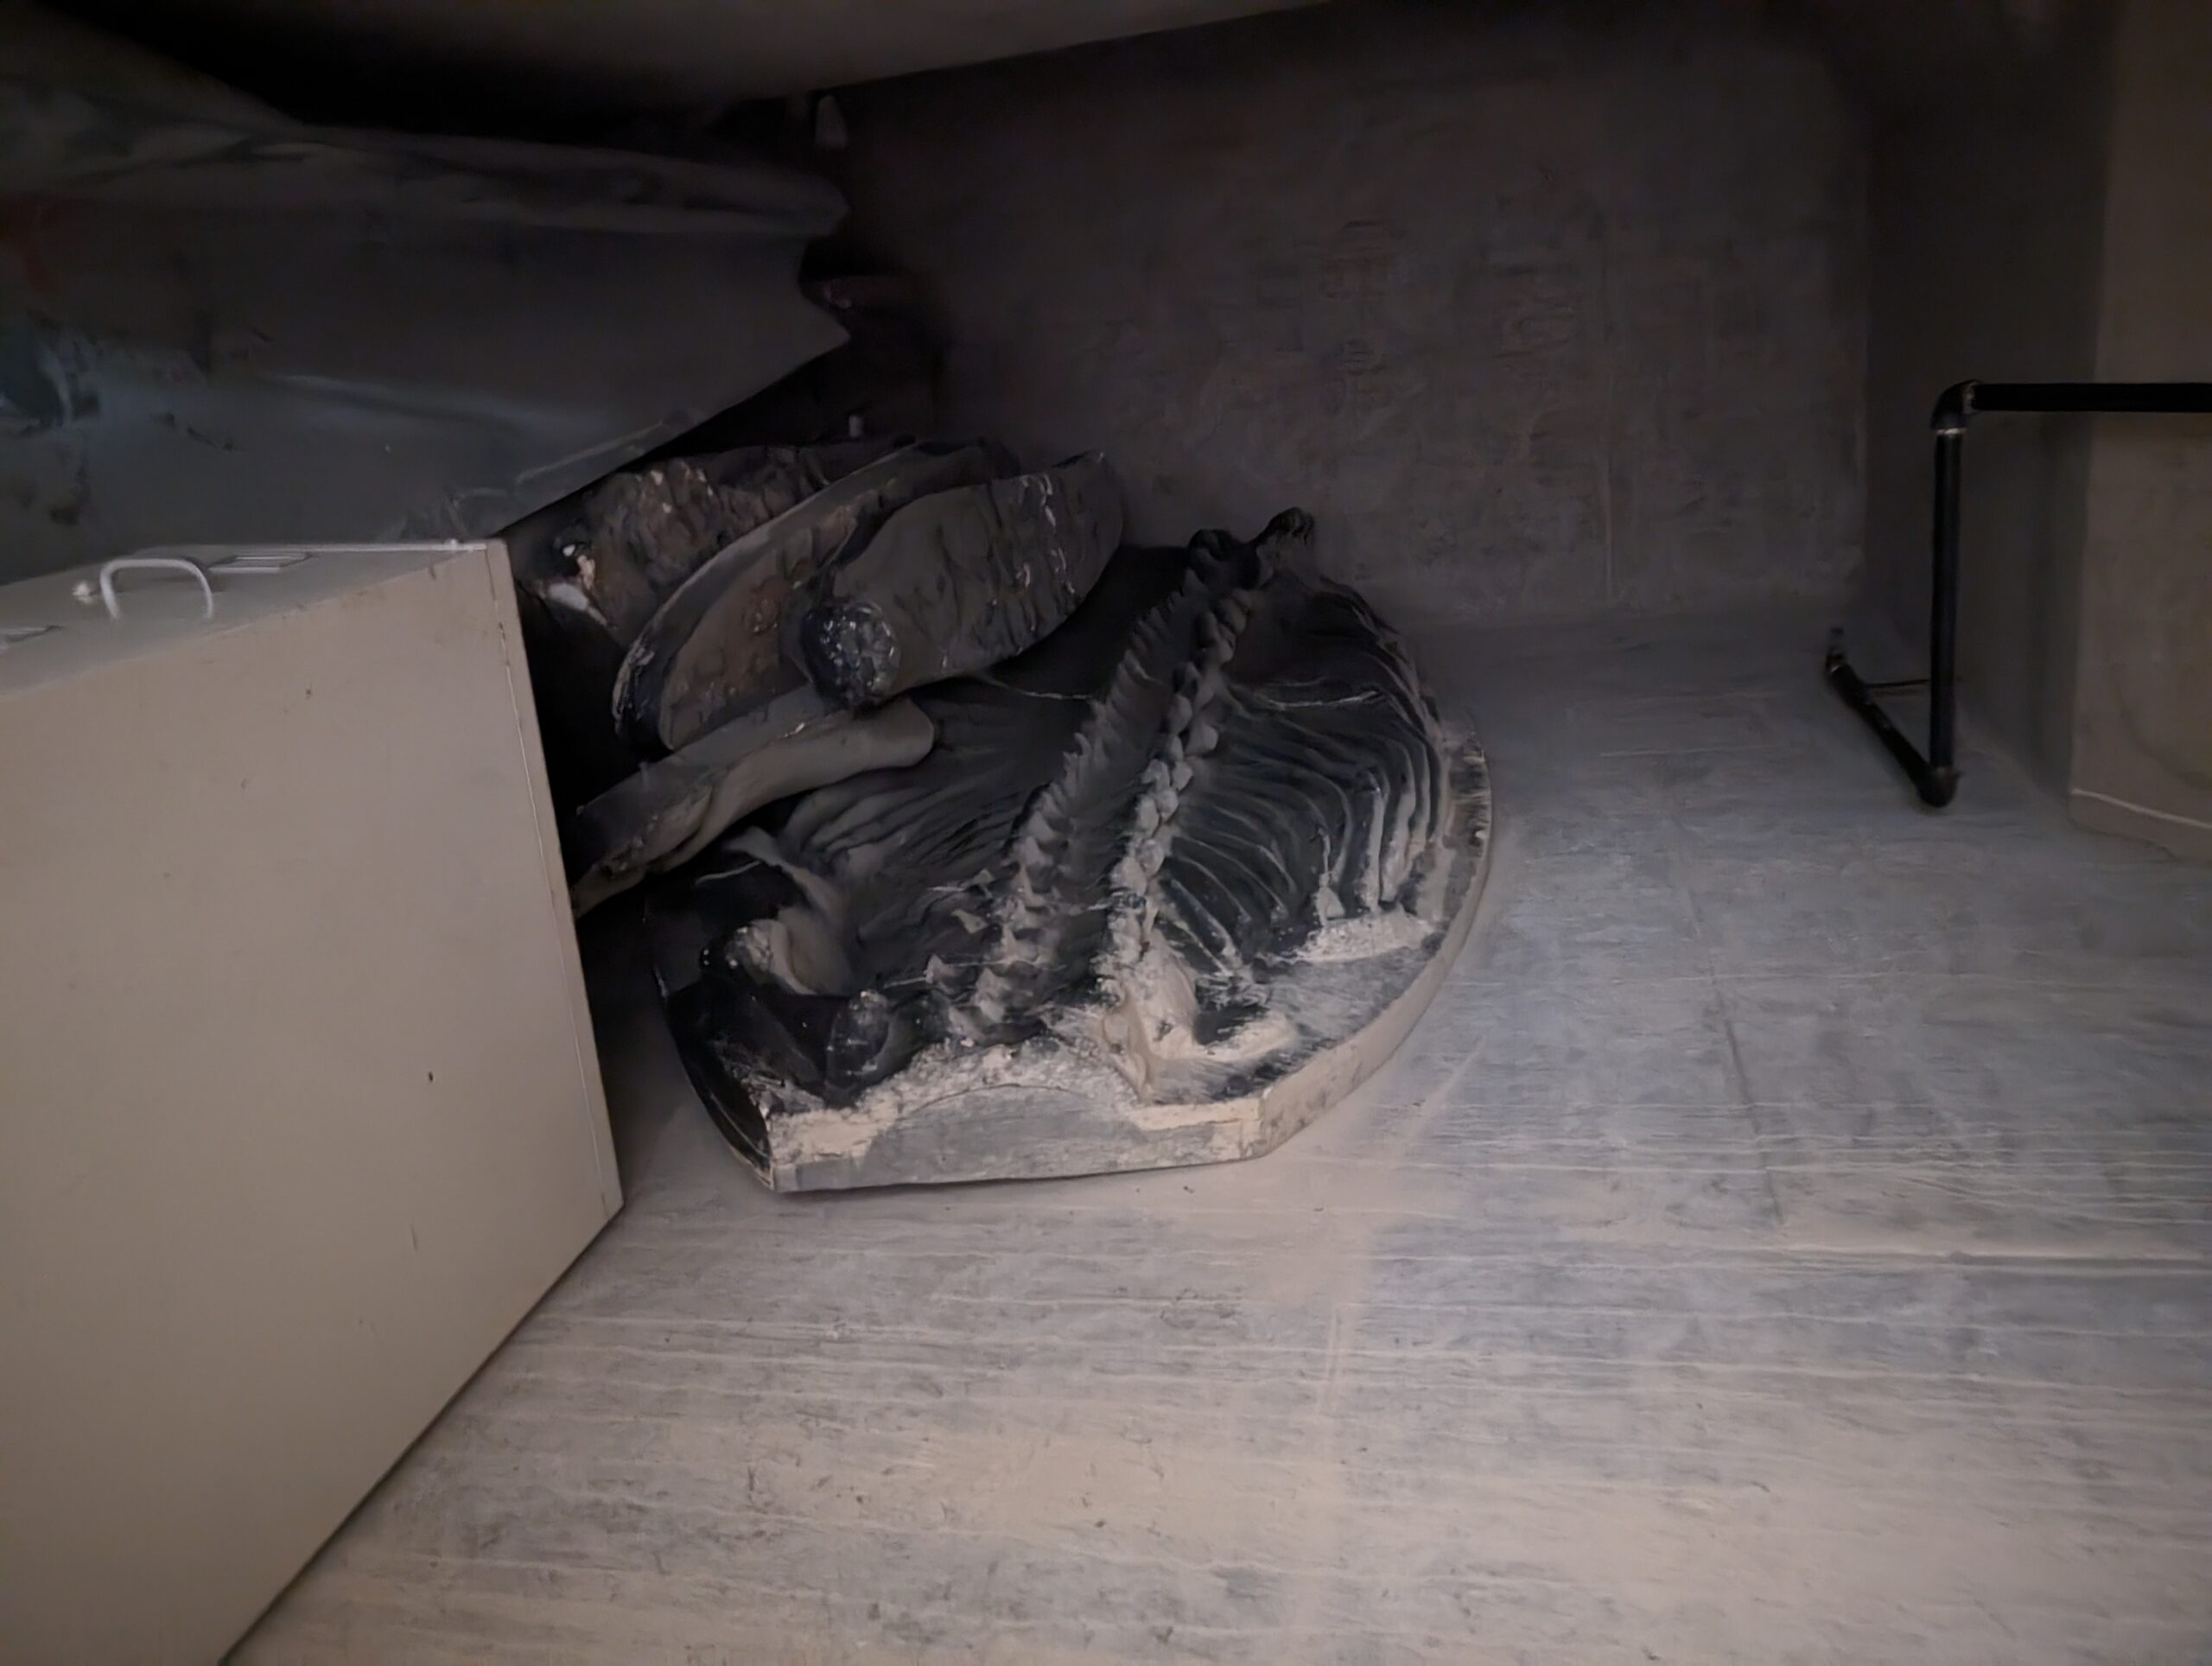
column 1102, row 1140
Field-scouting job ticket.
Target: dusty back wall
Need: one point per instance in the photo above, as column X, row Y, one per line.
column 1543, row 316
column 2043, row 219
column 2142, row 735
column 1986, row 243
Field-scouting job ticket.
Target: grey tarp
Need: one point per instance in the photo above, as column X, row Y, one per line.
column 219, row 324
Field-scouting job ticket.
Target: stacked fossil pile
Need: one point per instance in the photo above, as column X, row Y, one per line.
column 979, row 844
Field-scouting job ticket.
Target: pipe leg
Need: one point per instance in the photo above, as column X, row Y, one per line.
column 1940, row 769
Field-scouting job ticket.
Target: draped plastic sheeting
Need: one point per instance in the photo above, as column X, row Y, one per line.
column 218, row 324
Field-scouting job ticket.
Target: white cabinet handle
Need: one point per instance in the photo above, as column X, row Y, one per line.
column 146, row 563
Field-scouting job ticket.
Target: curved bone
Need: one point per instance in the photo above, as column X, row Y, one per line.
column 671, row 810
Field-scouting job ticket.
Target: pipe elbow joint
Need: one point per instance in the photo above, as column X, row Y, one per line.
column 1953, row 409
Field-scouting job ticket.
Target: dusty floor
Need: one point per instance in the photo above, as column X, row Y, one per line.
column 1786, row 1240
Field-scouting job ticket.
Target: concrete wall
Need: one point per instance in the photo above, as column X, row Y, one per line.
column 1986, row 229
column 1545, row 317
column 2142, row 738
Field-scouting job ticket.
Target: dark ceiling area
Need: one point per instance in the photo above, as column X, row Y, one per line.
column 588, row 70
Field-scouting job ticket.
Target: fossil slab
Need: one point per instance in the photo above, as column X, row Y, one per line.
column 718, row 646
column 673, row 808
column 630, row 543
column 960, row 581
column 811, row 640
column 1168, row 884
column 593, row 569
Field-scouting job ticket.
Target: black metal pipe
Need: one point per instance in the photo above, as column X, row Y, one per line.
column 1935, row 777
column 1856, row 695
column 2166, row 398
column 1938, row 780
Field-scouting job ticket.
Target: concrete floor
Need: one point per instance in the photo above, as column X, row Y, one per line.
column 1786, row 1240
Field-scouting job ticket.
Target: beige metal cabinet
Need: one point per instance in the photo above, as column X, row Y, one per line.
column 299, row 1107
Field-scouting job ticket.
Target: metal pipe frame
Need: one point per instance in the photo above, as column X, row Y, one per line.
column 1936, row 774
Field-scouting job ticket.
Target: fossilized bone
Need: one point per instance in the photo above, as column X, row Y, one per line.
column 1127, row 872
